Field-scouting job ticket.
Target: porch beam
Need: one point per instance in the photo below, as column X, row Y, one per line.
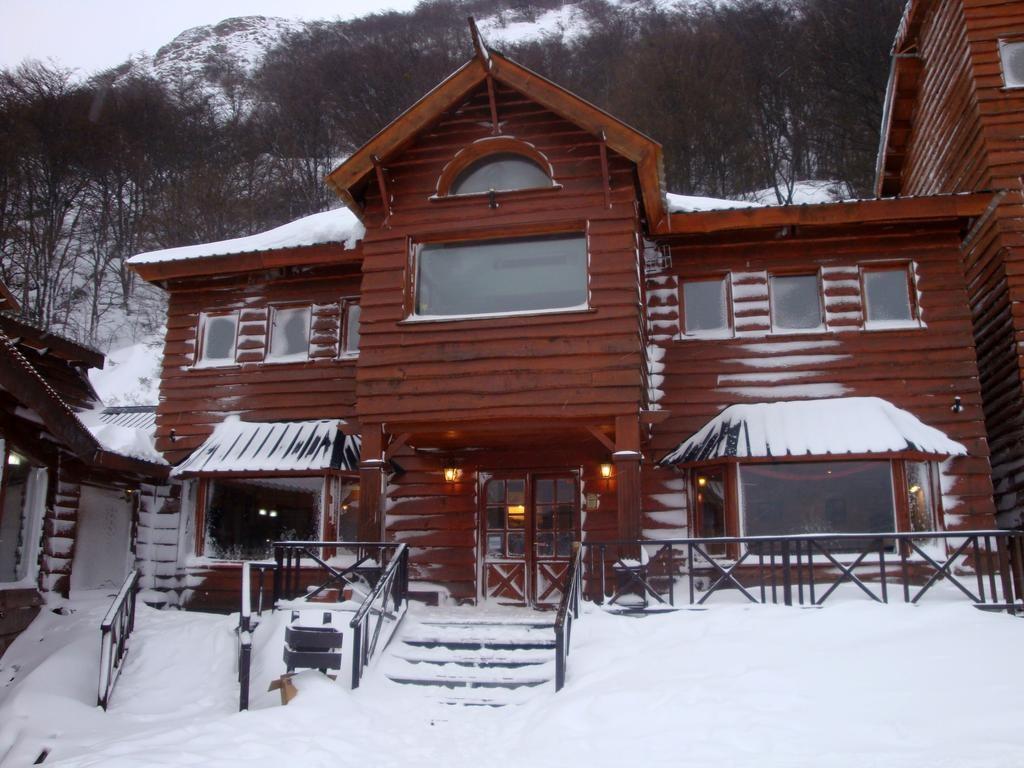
column 627, row 458
column 602, row 438
column 396, row 445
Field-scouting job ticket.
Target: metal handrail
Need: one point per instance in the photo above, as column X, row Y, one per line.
column 245, row 637
column 115, row 629
column 393, row 583
column 288, row 557
column 568, row 611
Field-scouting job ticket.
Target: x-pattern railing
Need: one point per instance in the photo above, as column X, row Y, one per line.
column 809, row 569
column 298, row 559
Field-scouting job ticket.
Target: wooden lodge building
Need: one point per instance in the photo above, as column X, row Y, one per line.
column 512, row 338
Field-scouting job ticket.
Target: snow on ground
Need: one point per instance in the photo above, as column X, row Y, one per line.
column 131, row 374
column 853, row 684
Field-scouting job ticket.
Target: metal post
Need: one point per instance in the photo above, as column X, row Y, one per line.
column 787, row 576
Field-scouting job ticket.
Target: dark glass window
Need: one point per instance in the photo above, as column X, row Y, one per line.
column 887, row 295
column 705, row 306
column 506, row 519
column 817, row 497
column 796, row 302
column 709, row 504
column 554, row 506
column 500, row 172
column 502, row 276
column 245, row 516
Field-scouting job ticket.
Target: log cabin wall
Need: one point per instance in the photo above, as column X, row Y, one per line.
column 965, row 133
column 582, row 365
column 919, row 369
column 193, row 400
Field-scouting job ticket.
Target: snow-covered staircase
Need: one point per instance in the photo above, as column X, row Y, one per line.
column 481, row 660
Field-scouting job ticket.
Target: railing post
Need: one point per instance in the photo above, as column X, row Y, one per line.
column 787, row 576
column 279, row 563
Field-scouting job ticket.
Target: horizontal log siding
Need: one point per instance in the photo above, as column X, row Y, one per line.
column 920, row 369
column 967, row 135
column 194, row 400
column 583, row 365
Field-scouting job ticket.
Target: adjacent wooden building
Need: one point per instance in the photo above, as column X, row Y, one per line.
column 512, row 338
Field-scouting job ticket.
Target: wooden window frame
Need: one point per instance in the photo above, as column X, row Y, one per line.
column 272, row 309
column 414, row 246
column 890, row 266
column 346, row 304
column 204, row 317
column 816, row 273
column 730, row 321
column 478, row 150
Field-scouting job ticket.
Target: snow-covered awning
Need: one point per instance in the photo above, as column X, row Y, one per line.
column 337, row 226
column 275, row 446
column 830, row 427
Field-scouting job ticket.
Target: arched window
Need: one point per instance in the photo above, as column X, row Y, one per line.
column 501, row 172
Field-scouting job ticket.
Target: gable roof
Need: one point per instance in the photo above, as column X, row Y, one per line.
column 646, row 153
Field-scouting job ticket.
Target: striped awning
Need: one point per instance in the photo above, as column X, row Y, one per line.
column 274, row 446
column 829, row 427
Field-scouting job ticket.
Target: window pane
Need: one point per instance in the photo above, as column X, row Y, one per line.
column 817, row 497
column 219, row 338
column 545, row 491
column 500, row 172
column 15, row 517
column 564, row 548
column 709, row 506
column 545, row 518
column 516, row 491
column 704, row 306
column 796, row 302
column 516, row 516
column 1012, row 55
column 887, row 294
column 496, row 492
column 289, row 334
column 919, row 496
column 566, row 490
column 565, row 517
column 495, row 543
column 516, row 544
column 545, row 544
column 496, row 517
column 500, row 276
column 245, row 516
column 351, row 328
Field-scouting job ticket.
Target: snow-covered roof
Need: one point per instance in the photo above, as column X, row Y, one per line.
column 275, row 446
column 337, row 226
column 695, row 204
column 126, row 434
column 134, row 416
column 829, row 427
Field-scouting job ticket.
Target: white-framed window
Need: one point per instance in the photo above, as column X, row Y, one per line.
column 512, row 276
column 288, row 334
column 888, row 297
column 350, row 327
column 796, row 303
column 1011, row 56
column 500, row 172
column 706, row 307
column 218, row 339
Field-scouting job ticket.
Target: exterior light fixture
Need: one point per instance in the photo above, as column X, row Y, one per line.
column 452, row 474
column 958, row 405
column 702, row 481
column 914, row 488
column 13, row 459
column 263, row 512
column 273, row 513
column 606, row 471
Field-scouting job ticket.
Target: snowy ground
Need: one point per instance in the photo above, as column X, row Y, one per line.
column 853, row 684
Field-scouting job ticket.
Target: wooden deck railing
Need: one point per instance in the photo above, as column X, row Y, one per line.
column 115, row 629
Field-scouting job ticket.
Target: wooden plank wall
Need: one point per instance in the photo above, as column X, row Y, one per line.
column 968, row 134
column 584, row 365
column 194, row 400
column 919, row 369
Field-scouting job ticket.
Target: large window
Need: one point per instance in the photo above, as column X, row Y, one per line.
column 495, row 277
column 1011, row 54
column 245, row 516
column 500, row 172
column 289, row 334
column 218, row 333
column 817, row 497
column 795, row 303
column 706, row 307
column 887, row 297
column 23, row 491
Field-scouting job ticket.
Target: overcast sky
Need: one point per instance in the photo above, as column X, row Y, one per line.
column 90, row 35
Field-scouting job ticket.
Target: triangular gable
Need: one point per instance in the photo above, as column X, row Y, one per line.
column 348, row 177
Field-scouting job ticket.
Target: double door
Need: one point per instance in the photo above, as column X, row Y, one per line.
column 529, row 521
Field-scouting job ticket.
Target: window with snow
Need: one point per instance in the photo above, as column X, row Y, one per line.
column 218, row 335
column 350, row 328
column 817, row 497
column 706, row 307
column 1011, row 54
column 501, row 277
column 795, row 303
column 22, row 496
column 500, row 172
column 887, row 297
column 244, row 516
column 289, row 334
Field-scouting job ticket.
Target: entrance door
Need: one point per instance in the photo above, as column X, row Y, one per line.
column 530, row 522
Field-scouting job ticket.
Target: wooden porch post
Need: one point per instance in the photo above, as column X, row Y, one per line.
column 627, row 458
column 371, row 483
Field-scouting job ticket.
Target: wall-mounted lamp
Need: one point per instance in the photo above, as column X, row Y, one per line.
column 452, row 474
column 914, row 488
column 606, row 471
column 957, row 406
column 702, row 481
column 130, row 493
column 13, row 459
column 173, row 436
